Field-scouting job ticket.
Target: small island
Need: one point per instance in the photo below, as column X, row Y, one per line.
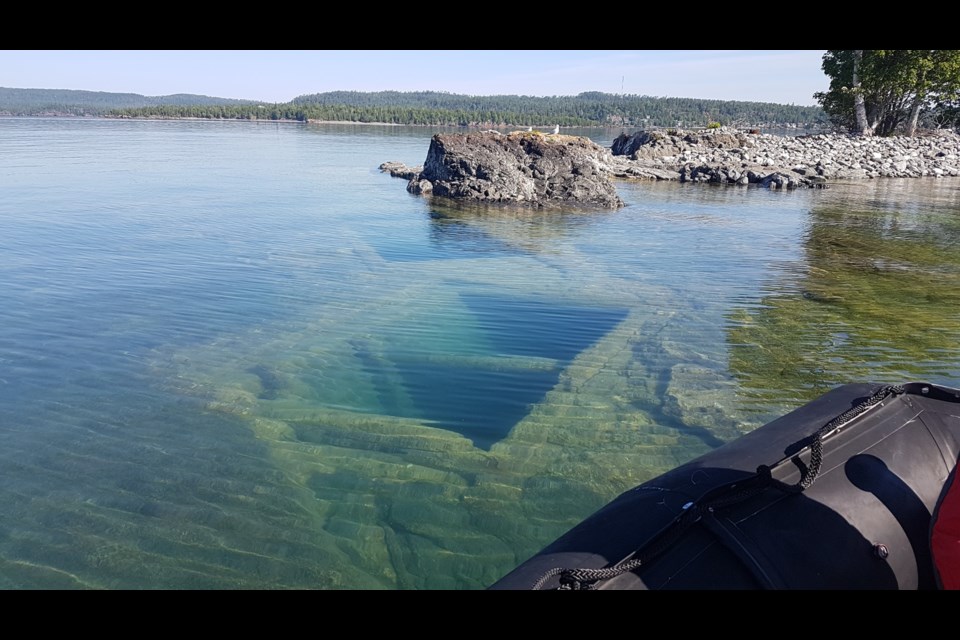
column 521, row 168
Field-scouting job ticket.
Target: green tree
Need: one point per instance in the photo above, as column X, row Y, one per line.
column 935, row 79
column 878, row 92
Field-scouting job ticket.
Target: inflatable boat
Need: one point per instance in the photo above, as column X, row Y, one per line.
column 851, row 491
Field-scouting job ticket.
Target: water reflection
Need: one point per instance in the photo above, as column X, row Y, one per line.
column 874, row 298
column 452, row 236
column 523, row 230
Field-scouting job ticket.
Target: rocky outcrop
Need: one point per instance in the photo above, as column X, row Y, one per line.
column 735, row 157
column 535, row 169
column 657, row 144
column 529, row 169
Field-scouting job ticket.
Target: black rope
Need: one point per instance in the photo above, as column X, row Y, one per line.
column 586, row 579
column 579, row 579
column 812, row 470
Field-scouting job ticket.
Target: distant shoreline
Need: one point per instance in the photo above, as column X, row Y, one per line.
column 470, row 127
column 289, row 121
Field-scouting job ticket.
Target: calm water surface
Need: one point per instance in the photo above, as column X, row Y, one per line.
column 237, row 356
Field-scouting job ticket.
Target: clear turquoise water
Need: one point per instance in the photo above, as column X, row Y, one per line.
column 237, row 356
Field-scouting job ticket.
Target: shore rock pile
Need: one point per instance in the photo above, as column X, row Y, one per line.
column 523, row 168
column 727, row 156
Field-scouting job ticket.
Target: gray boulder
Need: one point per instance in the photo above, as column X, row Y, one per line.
column 528, row 169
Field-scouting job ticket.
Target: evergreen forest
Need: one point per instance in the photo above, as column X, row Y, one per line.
column 422, row 108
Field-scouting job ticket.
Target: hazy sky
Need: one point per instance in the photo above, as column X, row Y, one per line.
column 279, row 76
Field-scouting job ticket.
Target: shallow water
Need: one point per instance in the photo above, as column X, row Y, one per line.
column 237, row 356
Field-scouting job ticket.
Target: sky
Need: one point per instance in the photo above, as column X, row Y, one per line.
column 781, row 76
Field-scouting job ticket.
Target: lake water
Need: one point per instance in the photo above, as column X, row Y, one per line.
column 237, row 356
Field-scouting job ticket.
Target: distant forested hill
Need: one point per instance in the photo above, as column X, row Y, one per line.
column 28, row 102
column 590, row 107
column 438, row 108
column 424, row 108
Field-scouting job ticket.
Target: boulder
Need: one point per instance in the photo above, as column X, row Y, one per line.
column 528, row 169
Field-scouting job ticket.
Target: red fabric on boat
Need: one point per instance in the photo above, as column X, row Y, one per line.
column 945, row 534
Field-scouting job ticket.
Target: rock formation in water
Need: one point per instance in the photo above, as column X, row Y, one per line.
column 534, row 169
column 525, row 168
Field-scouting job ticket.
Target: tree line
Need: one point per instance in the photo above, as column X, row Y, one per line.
column 30, row 102
column 424, row 108
column 438, row 108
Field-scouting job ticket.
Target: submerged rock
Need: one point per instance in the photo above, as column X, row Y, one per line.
column 400, row 170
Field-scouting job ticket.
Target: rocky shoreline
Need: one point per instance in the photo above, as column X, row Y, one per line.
column 536, row 169
column 730, row 156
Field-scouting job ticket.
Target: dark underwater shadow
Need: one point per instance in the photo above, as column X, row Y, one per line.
column 475, row 397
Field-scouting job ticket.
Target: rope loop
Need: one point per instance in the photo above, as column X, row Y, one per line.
column 723, row 496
